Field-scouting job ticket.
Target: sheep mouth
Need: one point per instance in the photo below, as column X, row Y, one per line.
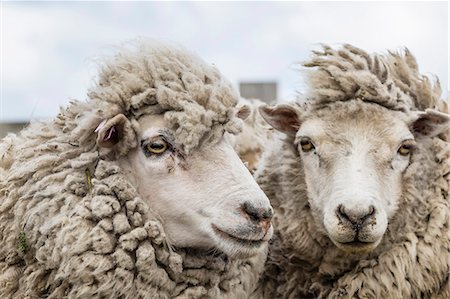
column 235, row 239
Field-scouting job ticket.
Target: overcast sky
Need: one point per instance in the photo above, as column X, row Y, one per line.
column 48, row 48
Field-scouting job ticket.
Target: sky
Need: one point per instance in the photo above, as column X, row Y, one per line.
column 49, row 49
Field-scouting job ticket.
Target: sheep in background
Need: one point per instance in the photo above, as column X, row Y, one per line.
column 359, row 182
column 255, row 135
column 154, row 204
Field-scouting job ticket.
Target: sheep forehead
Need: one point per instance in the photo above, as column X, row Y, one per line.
column 148, row 78
column 150, row 125
column 367, row 129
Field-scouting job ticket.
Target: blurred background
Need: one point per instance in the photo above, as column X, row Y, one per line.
column 49, row 49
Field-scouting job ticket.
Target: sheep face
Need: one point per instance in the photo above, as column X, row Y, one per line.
column 206, row 200
column 354, row 158
column 353, row 171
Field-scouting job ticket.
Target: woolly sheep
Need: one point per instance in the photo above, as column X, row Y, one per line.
column 359, row 182
column 255, row 134
column 154, row 204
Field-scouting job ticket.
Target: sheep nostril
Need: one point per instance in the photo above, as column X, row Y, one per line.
column 265, row 224
column 371, row 210
column 342, row 214
column 368, row 215
column 257, row 214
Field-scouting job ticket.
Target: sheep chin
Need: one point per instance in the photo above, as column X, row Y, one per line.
column 241, row 252
column 356, row 247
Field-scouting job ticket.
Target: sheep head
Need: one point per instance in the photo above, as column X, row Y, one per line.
column 168, row 116
column 255, row 134
column 355, row 156
column 206, row 198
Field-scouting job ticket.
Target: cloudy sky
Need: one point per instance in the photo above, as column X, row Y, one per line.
column 48, row 49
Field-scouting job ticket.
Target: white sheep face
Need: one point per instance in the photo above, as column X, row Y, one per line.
column 354, row 158
column 353, row 168
column 206, row 200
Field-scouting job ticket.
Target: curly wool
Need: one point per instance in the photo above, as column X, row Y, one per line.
column 412, row 261
column 71, row 223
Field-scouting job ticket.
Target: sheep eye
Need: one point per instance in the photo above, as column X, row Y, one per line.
column 156, row 147
column 406, row 147
column 306, row 145
column 404, row 150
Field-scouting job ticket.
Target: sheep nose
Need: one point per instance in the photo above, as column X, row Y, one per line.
column 357, row 218
column 262, row 216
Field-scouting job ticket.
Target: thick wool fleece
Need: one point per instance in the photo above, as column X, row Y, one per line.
column 71, row 223
column 413, row 259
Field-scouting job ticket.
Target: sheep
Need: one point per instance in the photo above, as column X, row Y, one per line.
column 359, row 181
column 255, row 134
column 136, row 192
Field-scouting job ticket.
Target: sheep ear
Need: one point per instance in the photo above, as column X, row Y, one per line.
column 110, row 132
column 284, row 118
column 430, row 123
column 243, row 112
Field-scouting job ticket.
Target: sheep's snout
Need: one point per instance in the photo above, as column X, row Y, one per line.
column 261, row 216
column 244, row 228
column 355, row 226
column 356, row 218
